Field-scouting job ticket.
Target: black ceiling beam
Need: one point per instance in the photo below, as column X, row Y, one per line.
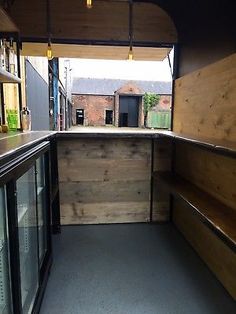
column 96, row 42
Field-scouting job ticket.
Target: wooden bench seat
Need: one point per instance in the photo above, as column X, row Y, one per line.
column 219, row 217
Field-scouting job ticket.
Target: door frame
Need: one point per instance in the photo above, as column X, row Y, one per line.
column 140, row 108
column 76, row 120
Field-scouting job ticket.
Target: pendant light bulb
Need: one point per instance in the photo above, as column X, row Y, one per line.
column 130, row 55
column 49, row 51
column 89, row 4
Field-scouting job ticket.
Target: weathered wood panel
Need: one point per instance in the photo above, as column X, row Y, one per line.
column 104, row 180
column 107, row 20
column 161, row 162
column 162, row 154
column 105, row 170
column 219, row 257
column 95, row 52
column 211, row 172
column 100, row 191
column 11, row 93
column 87, row 213
column 205, row 101
column 6, row 23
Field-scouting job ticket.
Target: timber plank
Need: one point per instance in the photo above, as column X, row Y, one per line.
column 162, row 156
column 98, row 148
column 96, row 173
column 104, row 170
column 218, row 256
column 107, row 21
column 209, row 171
column 109, row 212
column 97, row 192
column 219, row 217
column 205, row 102
column 225, row 147
column 6, row 23
column 95, row 52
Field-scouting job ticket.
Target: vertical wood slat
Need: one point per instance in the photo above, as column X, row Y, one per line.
column 218, row 256
column 161, row 197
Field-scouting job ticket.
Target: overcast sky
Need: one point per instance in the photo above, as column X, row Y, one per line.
column 130, row 70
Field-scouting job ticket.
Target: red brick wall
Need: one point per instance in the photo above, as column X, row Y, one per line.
column 164, row 103
column 130, row 88
column 94, row 108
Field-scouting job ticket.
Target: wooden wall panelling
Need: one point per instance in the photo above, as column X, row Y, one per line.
column 152, row 23
column 211, row 172
column 95, row 52
column 6, row 23
column 161, row 197
column 104, row 180
column 11, row 92
column 219, row 257
column 11, row 99
column 107, row 20
column 31, row 16
column 205, row 101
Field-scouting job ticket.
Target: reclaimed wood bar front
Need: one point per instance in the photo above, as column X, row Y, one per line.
column 107, row 177
column 104, row 180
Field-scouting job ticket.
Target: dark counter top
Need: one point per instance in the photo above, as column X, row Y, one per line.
column 221, row 146
column 109, row 133
column 12, row 143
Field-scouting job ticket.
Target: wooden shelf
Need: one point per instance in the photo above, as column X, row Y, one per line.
column 6, row 77
column 6, row 23
column 219, row 217
column 222, row 146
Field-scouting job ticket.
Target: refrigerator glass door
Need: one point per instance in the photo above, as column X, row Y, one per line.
column 28, row 238
column 41, row 207
column 5, row 287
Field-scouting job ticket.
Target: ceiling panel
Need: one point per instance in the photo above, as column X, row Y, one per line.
column 95, row 52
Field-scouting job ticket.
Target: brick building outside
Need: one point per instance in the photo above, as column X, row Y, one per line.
column 101, row 102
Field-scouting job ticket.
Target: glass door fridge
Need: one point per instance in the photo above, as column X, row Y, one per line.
column 28, row 239
column 5, row 286
column 42, row 208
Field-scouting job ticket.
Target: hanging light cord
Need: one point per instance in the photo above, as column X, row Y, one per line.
column 48, row 20
column 131, row 24
column 130, row 55
column 48, row 16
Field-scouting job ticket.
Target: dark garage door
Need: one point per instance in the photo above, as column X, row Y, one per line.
column 128, row 111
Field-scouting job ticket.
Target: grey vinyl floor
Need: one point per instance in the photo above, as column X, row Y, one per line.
column 130, row 269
